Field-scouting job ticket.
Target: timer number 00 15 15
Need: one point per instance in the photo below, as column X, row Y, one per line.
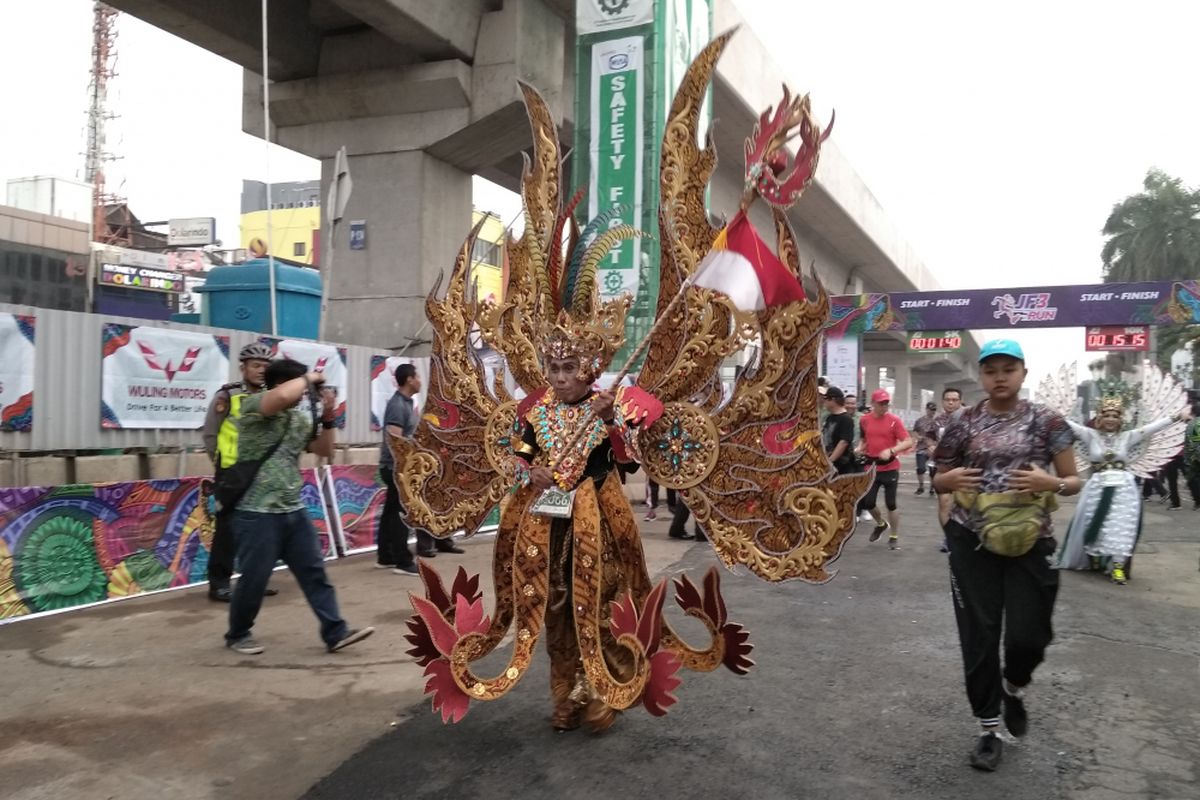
column 1114, row 340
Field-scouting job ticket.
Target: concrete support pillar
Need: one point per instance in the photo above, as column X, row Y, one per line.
column 904, row 389
column 417, row 211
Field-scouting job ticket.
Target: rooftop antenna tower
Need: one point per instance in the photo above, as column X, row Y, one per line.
column 106, row 229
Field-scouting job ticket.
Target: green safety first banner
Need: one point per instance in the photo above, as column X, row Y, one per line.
column 630, row 57
column 617, row 153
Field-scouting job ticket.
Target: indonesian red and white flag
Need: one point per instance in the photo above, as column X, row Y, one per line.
column 742, row 266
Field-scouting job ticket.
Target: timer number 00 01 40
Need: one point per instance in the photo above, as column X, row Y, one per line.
column 935, row 342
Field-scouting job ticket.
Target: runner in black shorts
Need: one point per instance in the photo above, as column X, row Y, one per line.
column 883, row 439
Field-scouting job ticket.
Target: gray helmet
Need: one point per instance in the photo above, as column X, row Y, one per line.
column 255, row 350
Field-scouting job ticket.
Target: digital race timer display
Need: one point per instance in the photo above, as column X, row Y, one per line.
column 935, row 341
column 1134, row 338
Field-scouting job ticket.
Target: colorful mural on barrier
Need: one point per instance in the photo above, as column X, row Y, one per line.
column 314, row 502
column 357, row 496
column 356, row 499
column 67, row 546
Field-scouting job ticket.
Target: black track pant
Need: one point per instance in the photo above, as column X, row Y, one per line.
column 993, row 593
column 220, row 556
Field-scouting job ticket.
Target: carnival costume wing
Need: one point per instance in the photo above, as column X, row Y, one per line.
column 1162, row 397
column 749, row 462
column 1057, row 391
column 450, row 474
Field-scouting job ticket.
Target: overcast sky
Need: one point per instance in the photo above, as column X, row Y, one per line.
column 996, row 136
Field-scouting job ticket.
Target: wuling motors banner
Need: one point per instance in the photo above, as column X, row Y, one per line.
column 16, row 372
column 630, row 55
column 324, row 358
column 159, row 378
column 1147, row 303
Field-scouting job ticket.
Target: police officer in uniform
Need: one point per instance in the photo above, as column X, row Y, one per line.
column 220, row 441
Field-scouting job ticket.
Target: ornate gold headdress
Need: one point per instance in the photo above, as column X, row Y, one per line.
column 573, row 320
column 593, row 337
column 1112, row 402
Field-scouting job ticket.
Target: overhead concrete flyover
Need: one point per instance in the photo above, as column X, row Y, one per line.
column 424, row 95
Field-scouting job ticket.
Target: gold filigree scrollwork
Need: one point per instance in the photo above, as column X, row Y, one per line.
column 498, row 435
column 686, row 169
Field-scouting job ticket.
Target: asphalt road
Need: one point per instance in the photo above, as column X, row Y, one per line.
column 857, row 694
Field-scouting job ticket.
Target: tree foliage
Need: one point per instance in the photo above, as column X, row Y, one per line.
column 1154, row 235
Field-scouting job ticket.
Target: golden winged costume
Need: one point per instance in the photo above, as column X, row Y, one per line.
column 748, row 463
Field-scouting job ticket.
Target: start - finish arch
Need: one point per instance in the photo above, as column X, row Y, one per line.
column 887, row 318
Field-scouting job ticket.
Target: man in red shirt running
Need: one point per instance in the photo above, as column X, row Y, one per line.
column 883, row 439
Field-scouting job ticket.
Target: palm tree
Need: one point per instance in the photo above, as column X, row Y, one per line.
column 1154, row 235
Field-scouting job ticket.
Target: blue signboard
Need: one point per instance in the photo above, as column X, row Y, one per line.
column 358, row 234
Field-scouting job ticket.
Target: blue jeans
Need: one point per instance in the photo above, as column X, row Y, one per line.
column 262, row 540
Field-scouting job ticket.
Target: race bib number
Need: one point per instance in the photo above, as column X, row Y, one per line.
column 554, row 502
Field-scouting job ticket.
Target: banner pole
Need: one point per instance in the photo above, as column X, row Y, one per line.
column 267, row 171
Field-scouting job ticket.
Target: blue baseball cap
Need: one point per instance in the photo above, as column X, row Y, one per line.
column 1001, row 347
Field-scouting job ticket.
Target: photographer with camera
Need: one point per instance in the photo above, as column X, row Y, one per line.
column 269, row 519
column 884, row 438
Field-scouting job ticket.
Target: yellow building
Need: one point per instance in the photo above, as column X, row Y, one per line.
column 487, row 269
column 295, row 219
column 295, row 233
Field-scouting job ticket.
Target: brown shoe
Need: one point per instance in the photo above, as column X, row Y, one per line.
column 565, row 716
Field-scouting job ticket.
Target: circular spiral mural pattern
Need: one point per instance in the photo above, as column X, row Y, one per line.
column 56, row 566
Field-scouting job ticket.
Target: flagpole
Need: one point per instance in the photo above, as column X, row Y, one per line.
column 267, row 170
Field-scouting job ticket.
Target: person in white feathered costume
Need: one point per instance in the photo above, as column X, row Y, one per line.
column 1108, row 519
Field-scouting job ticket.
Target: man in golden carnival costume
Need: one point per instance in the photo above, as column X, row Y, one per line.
column 568, row 561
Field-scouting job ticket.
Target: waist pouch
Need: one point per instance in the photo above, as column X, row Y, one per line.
column 1012, row 521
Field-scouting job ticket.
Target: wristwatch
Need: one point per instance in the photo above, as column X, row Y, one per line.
column 328, row 424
